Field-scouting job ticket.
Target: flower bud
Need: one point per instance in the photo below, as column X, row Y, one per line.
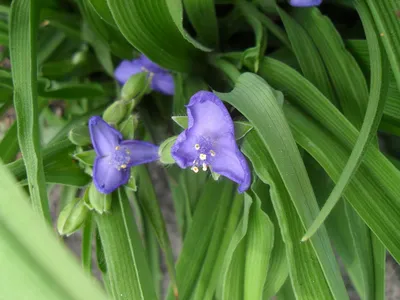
column 79, row 136
column 116, row 112
column 72, row 217
column 135, row 87
column 98, row 201
column 165, row 151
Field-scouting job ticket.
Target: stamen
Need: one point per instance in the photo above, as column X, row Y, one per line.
column 204, row 167
column 212, row 153
column 203, row 156
column 195, row 169
column 123, row 166
column 197, row 146
column 117, row 148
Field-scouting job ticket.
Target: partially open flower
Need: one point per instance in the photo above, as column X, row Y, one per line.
column 161, row 80
column 305, row 3
column 114, row 156
column 209, row 141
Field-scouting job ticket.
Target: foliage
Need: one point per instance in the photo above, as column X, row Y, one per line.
column 311, row 108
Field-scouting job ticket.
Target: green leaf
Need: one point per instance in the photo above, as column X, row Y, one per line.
column 263, row 111
column 252, row 56
column 387, row 23
column 86, row 249
column 152, row 29
column 278, row 269
column 34, row 264
column 87, row 157
column 254, row 258
column 59, row 166
column 383, row 174
column 305, row 268
column 101, row 8
column 9, row 144
column 23, row 34
column 307, row 55
column 146, row 197
column 199, row 235
column 373, row 115
column 127, row 268
column 228, row 216
column 347, row 77
column 204, row 20
column 107, row 33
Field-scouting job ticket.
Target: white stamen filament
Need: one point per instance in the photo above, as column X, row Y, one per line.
column 204, row 167
column 212, row 153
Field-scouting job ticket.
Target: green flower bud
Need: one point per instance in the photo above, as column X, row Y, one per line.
column 98, row 201
column 165, row 151
column 72, row 217
column 80, row 136
column 116, row 112
column 86, row 157
column 135, row 87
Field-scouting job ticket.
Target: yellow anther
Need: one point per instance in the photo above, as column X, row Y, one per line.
column 212, row 153
column 204, row 167
column 197, row 146
column 117, row 147
column 203, row 156
column 195, row 169
column 123, row 166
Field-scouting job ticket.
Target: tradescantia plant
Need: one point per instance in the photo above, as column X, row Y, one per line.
column 274, row 123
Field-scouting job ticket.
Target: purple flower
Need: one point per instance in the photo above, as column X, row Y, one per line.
column 305, row 3
column 209, row 141
column 161, row 80
column 115, row 157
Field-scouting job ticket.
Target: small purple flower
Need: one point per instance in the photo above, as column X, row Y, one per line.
column 209, row 141
column 305, row 3
column 161, row 80
column 115, row 157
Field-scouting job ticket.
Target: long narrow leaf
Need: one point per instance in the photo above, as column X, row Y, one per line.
column 23, row 31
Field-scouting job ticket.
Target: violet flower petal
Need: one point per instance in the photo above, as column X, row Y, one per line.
column 208, row 116
column 149, row 65
column 305, row 3
column 126, row 69
column 183, row 151
column 104, row 137
column 163, row 83
column 106, row 177
column 140, row 152
column 231, row 163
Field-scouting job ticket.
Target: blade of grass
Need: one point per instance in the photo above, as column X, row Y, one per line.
column 23, row 34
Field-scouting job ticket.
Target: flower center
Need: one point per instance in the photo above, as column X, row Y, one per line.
column 120, row 158
column 205, row 156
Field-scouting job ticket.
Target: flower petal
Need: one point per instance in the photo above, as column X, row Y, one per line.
column 104, row 137
column 163, row 83
column 126, row 69
column 140, row 152
column 231, row 163
column 107, row 178
column 208, row 116
column 149, row 65
column 183, row 151
column 305, row 3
